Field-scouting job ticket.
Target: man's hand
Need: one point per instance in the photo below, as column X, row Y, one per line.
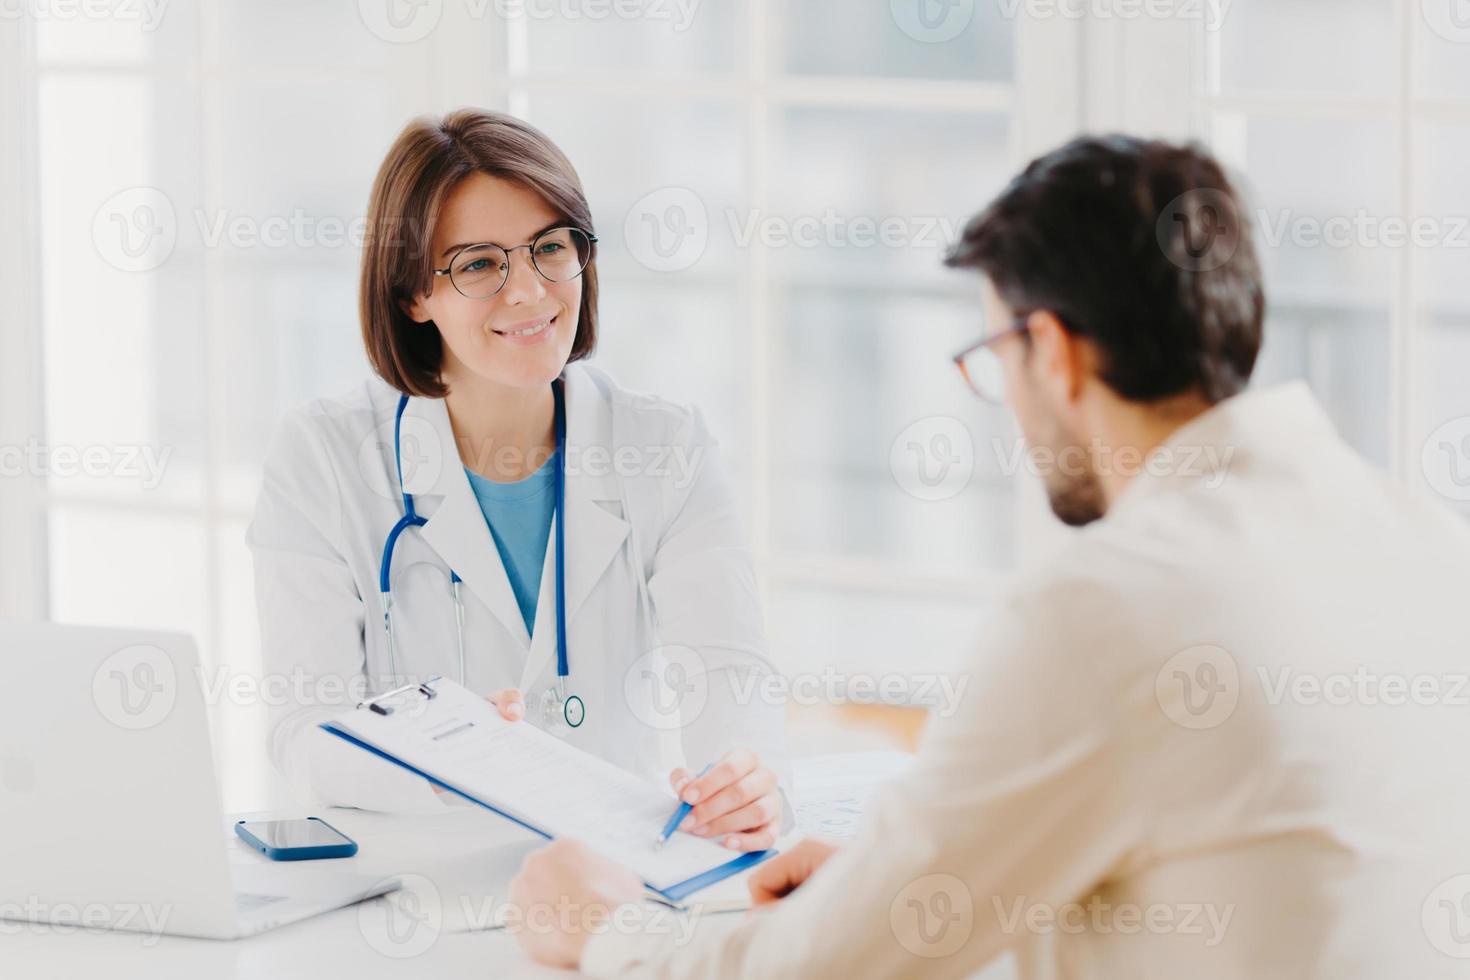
column 773, row 880
column 737, row 800
column 563, row 891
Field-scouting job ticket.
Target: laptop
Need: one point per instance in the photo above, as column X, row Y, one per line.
column 109, row 807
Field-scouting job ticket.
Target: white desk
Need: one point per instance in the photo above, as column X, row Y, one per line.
column 354, row 942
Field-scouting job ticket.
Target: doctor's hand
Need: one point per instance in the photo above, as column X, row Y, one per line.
column 736, row 803
column 564, row 893
column 510, row 702
column 783, row 874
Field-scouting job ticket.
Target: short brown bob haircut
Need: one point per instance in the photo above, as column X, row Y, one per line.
column 423, row 166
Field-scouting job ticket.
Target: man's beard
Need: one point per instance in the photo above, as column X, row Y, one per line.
column 1076, row 499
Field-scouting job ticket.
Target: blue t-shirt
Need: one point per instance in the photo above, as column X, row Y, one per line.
column 519, row 515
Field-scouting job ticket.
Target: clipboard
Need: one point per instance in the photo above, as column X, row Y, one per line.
column 372, row 725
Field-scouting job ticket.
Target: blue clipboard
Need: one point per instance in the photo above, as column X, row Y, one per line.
column 673, row 893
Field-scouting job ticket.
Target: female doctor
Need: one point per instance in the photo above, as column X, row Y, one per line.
column 490, row 510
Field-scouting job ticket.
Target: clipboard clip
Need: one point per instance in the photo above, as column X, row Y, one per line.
column 649, row 895
column 425, row 690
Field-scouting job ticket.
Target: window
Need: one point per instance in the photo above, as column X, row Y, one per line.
column 1352, row 122
column 774, row 183
column 745, row 269
column 191, row 289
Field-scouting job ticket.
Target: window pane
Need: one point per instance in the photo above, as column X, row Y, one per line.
column 686, row 341
column 269, row 33
column 674, row 315
column 865, row 324
column 1329, row 254
column 873, row 199
column 695, row 37
column 664, row 199
column 898, row 39
column 1342, row 353
column 1324, row 228
column 1342, row 47
column 270, row 202
column 128, row 568
column 880, row 451
column 113, row 33
column 1442, row 55
column 1442, row 347
column 284, row 334
column 121, row 335
column 284, row 241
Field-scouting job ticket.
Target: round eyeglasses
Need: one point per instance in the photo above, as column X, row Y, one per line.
column 558, row 254
column 981, row 367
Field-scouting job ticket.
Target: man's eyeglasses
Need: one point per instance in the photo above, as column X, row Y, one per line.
column 558, row 254
column 981, row 367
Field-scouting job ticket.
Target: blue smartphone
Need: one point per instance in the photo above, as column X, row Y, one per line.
column 296, row 840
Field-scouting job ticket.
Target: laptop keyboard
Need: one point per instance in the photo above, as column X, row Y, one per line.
column 247, row 902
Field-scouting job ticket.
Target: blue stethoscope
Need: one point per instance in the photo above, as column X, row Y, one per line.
column 556, row 705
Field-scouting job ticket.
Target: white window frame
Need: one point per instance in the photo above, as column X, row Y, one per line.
column 23, row 546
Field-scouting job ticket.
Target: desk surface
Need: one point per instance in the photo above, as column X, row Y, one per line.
column 439, row 855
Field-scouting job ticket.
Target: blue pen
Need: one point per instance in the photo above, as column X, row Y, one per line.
column 679, row 814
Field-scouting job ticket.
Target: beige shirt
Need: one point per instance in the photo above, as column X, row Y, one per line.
column 1225, row 733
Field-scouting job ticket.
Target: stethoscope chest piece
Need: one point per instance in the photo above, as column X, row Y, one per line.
column 574, row 711
column 560, row 713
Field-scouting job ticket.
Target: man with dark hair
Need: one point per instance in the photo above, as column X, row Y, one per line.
column 1220, row 734
column 1138, row 249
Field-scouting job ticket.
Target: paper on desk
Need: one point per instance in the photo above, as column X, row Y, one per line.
column 833, row 792
column 535, row 778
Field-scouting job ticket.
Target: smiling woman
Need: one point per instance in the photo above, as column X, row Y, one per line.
column 516, row 327
column 618, row 602
column 443, row 187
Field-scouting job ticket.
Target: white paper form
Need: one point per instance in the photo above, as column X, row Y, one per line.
column 460, row 740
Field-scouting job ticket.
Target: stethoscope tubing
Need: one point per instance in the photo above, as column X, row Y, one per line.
column 411, row 518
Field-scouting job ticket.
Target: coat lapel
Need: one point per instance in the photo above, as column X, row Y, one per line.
column 457, row 531
column 456, row 528
column 594, row 533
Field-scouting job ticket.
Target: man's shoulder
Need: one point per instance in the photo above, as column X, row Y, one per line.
column 1098, row 569
column 1115, row 602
